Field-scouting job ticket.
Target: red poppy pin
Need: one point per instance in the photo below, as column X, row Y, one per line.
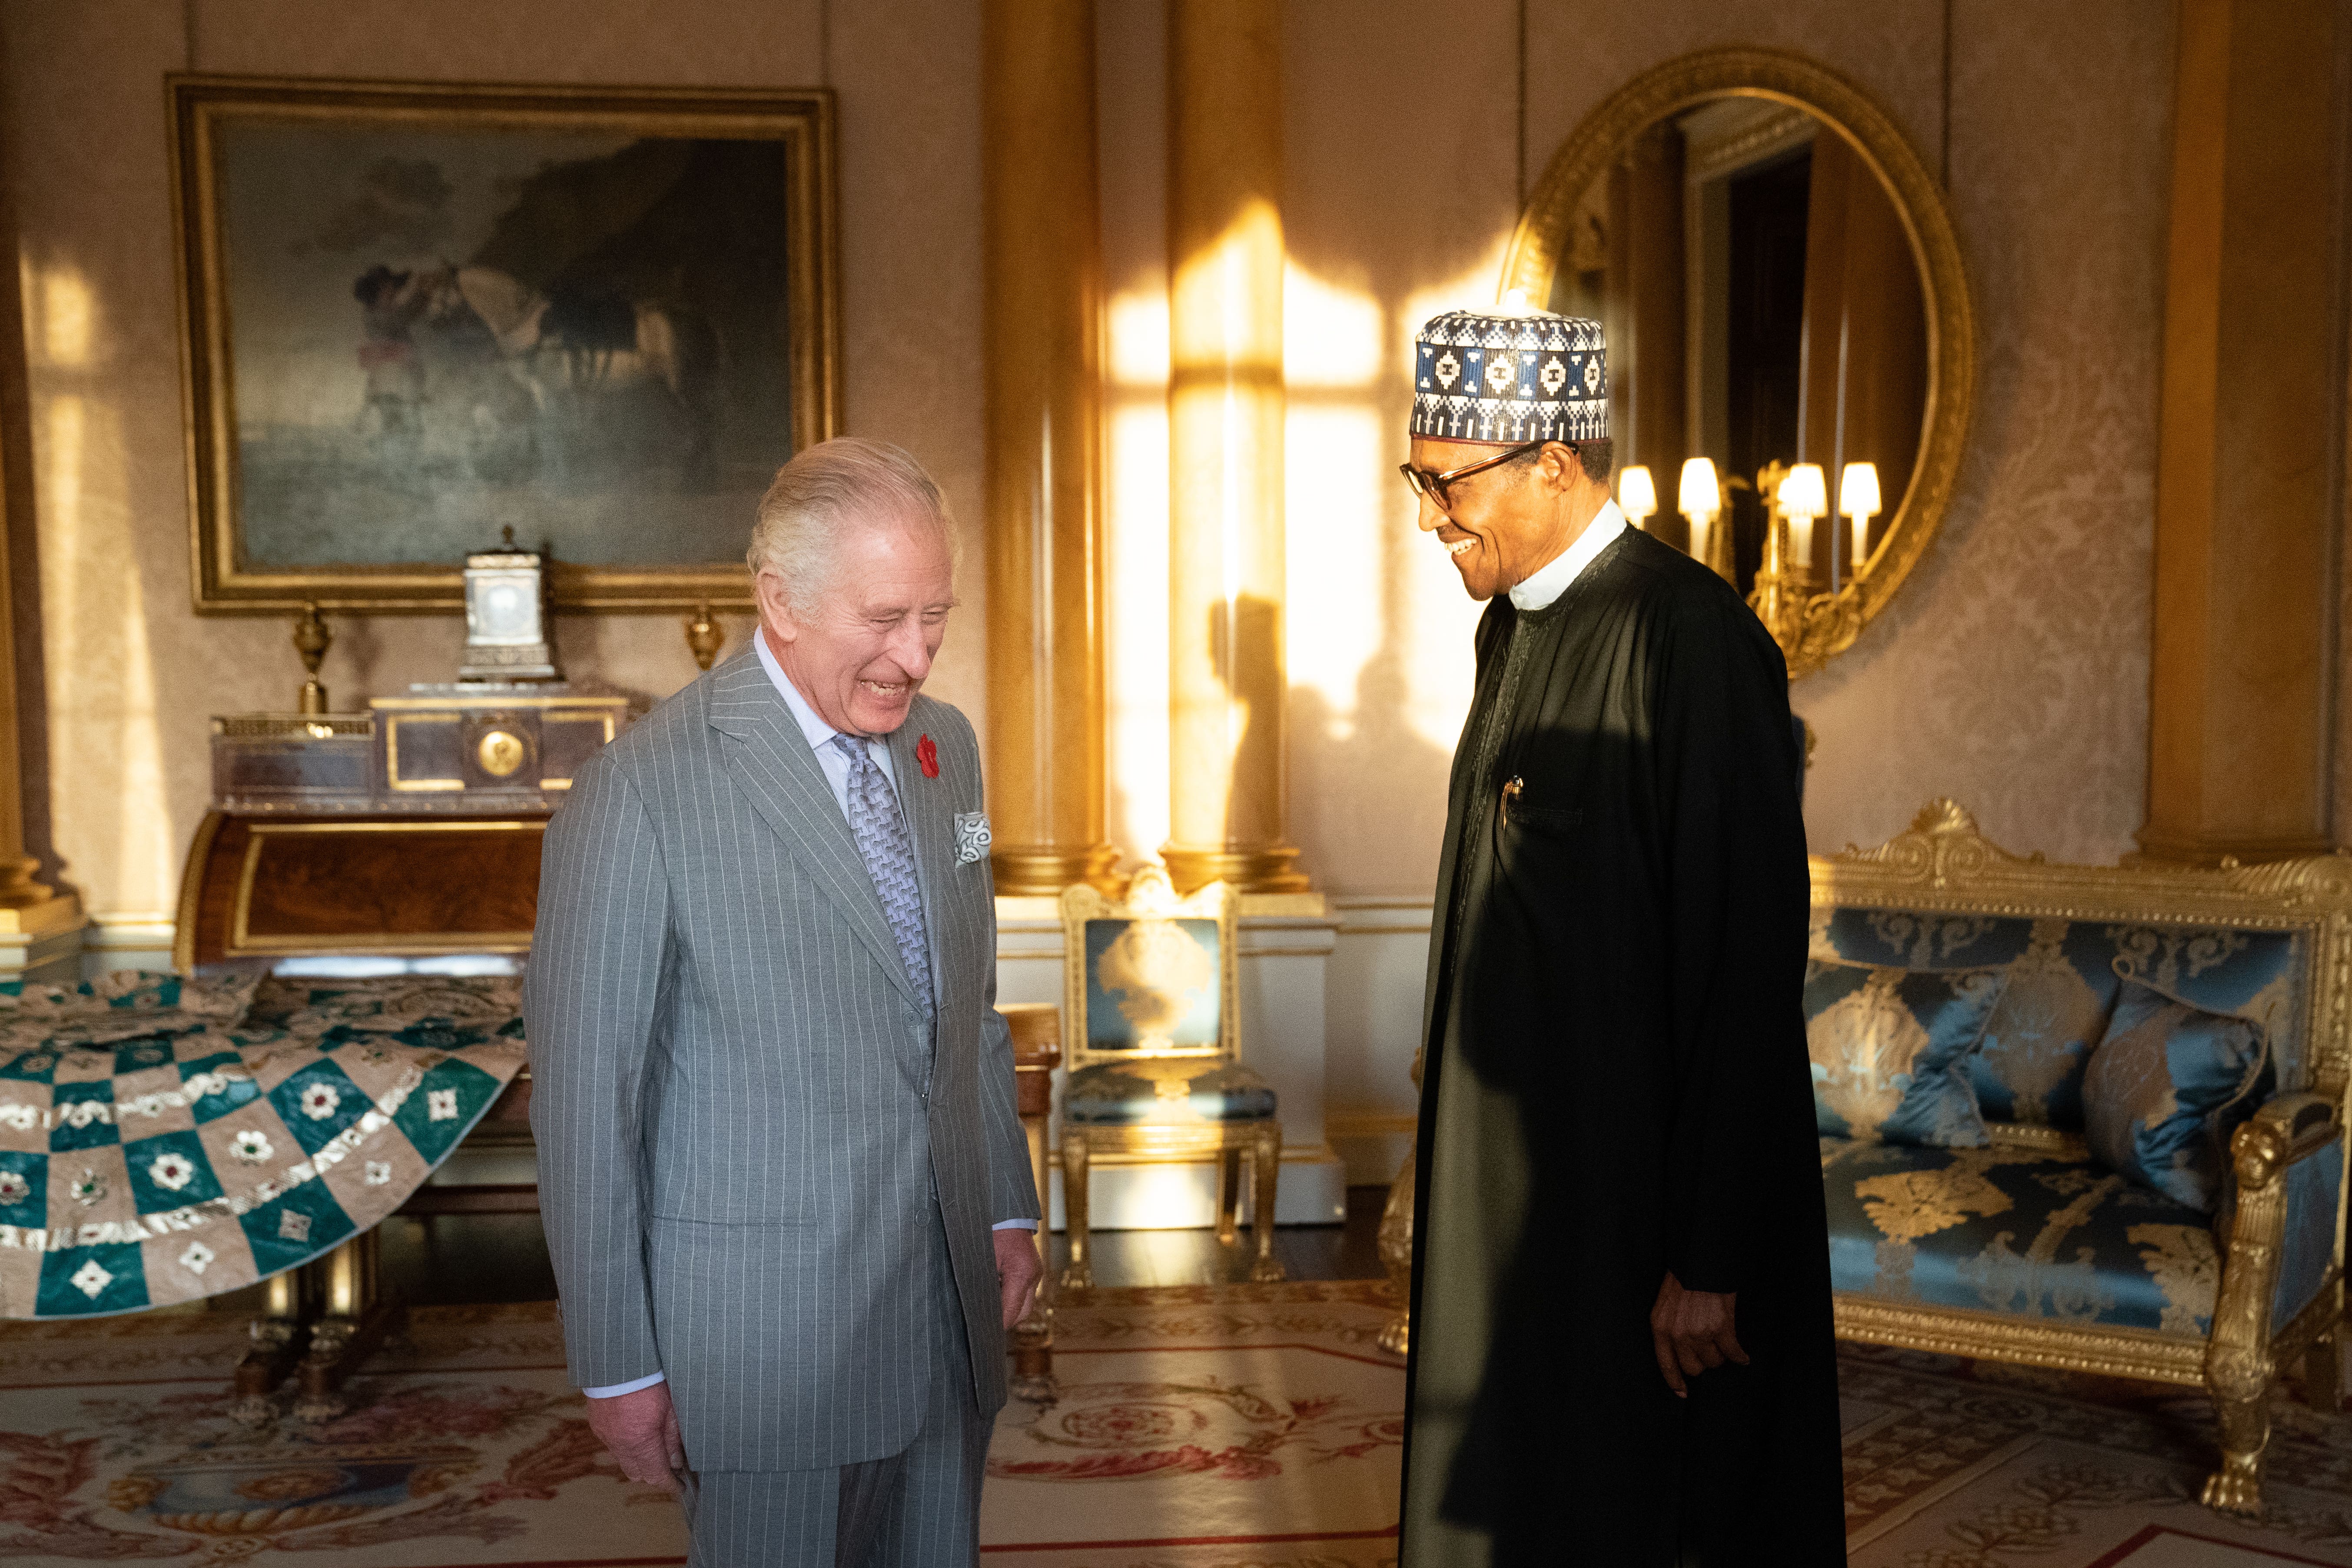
column 929, row 755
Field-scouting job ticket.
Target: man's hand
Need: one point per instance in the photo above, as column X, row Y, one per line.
column 640, row 1430
column 1692, row 1330
column 1017, row 1269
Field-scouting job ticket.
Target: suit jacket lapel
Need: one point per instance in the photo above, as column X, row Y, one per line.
column 770, row 759
column 928, row 805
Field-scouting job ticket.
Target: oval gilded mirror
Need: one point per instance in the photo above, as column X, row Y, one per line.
column 1791, row 352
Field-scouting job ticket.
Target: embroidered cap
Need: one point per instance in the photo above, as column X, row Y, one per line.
column 1510, row 379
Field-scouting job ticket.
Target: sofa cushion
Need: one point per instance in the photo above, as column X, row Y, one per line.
column 1166, row 1089
column 2039, row 1039
column 2258, row 974
column 2021, row 1232
column 1889, row 1050
column 2166, row 1089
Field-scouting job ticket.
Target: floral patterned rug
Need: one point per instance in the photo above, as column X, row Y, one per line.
column 1226, row 1426
column 1196, row 1430
column 1964, row 1464
column 1206, row 1426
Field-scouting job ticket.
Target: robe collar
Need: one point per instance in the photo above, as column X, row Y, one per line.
column 1549, row 581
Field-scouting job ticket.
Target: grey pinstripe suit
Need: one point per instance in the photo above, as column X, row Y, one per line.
column 741, row 1123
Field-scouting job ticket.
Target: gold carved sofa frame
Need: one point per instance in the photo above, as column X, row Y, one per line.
column 1944, row 866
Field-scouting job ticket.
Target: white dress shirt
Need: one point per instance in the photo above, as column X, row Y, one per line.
column 819, row 735
column 1552, row 580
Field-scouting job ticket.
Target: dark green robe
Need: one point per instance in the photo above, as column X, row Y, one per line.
column 1616, row 1085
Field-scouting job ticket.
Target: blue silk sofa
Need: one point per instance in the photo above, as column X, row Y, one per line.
column 2013, row 1241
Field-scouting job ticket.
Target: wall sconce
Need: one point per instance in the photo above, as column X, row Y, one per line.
column 1804, row 623
column 1637, row 498
column 1700, row 500
column 1858, row 500
column 1804, row 498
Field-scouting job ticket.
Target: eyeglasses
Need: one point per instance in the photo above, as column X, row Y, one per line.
column 1431, row 487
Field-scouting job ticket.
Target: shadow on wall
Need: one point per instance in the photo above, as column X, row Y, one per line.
column 1336, row 787
column 1245, row 636
column 1365, row 758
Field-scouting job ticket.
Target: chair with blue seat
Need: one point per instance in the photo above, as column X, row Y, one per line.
column 1153, row 1037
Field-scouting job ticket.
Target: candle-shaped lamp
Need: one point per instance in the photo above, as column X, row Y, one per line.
column 1858, row 500
column 1700, row 501
column 1804, row 496
column 1637, row 498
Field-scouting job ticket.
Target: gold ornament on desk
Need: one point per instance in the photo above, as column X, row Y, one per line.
column 311, row 641
column 508, row 615
column 704, row 636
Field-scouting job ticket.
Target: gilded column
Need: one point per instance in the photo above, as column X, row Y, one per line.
column 2248, row 498
column 1043, row 292
column 1226, row 678
column 36, row 923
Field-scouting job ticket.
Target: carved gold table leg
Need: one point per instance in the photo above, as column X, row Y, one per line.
column 1037, row 1048
column 280, row 1336
column 1080, row 1274
column 1396, row 1257
column 1266, row 1168
column 356, row 1316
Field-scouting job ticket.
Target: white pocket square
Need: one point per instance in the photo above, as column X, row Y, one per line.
column 971, row 837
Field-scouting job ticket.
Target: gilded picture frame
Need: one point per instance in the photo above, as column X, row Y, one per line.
column 415, row 314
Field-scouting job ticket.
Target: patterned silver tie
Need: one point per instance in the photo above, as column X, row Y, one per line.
column 881, row 834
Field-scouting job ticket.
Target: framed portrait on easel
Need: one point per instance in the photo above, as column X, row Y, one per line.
column 416, row 315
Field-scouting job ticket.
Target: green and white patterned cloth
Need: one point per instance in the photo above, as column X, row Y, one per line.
column 162, row 1138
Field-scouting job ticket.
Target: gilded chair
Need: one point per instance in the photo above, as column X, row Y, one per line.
column 1153, row 1041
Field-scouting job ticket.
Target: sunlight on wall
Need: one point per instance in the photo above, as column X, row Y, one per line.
column 1332, row 501
column 66, row 318
column 1331, row 335
column 1363, row 584
column 1336, row 561
column 1135, row 340
column 115, row 837
column 1134, row 540
column 1332, row 440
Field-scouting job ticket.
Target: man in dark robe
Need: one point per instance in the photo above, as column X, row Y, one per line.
column 1621, row 1343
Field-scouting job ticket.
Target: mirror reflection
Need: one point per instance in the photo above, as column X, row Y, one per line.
column 1766, row 318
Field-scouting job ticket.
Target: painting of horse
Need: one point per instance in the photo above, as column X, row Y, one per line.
column 591, row 326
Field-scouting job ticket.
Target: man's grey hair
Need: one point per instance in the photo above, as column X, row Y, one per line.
column 825, row 493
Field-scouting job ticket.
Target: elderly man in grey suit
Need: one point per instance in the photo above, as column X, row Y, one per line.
column 783, row 1180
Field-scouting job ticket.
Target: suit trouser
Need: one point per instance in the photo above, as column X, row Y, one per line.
column 916, row 1508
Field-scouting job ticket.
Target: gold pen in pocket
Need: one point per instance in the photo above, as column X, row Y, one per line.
column 1510, row 792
